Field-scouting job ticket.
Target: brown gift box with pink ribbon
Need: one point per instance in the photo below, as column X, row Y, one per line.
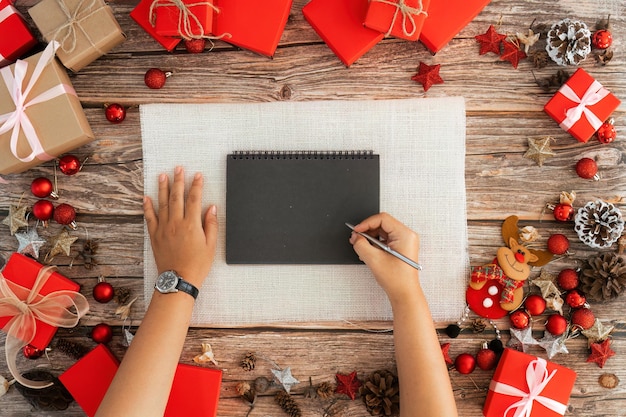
column 40, row 114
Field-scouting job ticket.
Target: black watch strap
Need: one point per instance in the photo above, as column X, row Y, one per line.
column 184, row 286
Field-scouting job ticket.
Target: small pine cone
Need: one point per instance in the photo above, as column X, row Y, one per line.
column 604, row 276
column 568, row 42
column 539, row 59
column 249, row 361
column 325, row 390
column 72, row 349
column 288, row 404
column 246, row 392
column 122, row 295
column 381, row 394
column 479, row 325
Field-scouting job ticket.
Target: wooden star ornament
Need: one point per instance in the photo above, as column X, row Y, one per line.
column 490, row 41
column 539, row 149
column 428, row 75
column 348, row 384
column 601, row 352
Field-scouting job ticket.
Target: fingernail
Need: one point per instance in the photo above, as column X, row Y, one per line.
column 145, row 199
column 178, row 169
column 213, row 210
column 162, row 177
column 197, row 176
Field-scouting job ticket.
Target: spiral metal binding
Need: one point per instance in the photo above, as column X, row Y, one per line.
column 302, row 155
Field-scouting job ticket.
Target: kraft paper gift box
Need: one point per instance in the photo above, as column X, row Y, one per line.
column 398, row 18
column 184, row 18
column 85, row 29
column 23, row 271
column 142, row 15
column 195, row 391
column 251, row 24
column 20, row 41
column 52, row 121
column 581, row 105
column 340, row 24
column 446, row 18
column 528, row 385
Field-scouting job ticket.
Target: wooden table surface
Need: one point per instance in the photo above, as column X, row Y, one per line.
column 504, row 109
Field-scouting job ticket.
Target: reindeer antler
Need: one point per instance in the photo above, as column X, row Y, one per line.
column 510, row 230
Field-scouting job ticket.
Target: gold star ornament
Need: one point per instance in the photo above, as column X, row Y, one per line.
column 597, row 333
column 16, row 218
column 61, row 243
column 539, row 149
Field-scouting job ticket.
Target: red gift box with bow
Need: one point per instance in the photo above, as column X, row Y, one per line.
column 195, row 391
column 16, row 39
column 530, row 386
column 185, row 19
column 581, row 105
column 142, row 15
column 399, row 18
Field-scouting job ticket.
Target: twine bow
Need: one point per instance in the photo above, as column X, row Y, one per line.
column 74, row 23
column 594, row 94
column 187, row 20
column 408, row 15
column 18, row 120
column 537, row 378
column 62, row 308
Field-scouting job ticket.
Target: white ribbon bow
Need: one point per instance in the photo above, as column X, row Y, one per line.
column 594, row 94
column 537, row 378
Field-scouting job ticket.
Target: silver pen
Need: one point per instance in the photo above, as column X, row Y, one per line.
column 386, row 248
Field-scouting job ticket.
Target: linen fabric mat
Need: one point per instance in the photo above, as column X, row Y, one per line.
column 421, row 143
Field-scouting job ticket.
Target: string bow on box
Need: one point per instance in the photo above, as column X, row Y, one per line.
column 408, row 15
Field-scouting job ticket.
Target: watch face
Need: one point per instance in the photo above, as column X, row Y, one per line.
column 166, row 281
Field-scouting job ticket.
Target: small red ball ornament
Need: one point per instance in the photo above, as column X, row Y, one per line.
column 102, row 333
column 69, row 164
column 556, row 324
column 66, row 215
column 115, row 113
column 486, row 359
column 31, row 352
column 465, row 363
column 567, row 279
column 563, row 212
column 587, row 168
column 155, row 78
column 558, row 244
column 103, row 292
column 607, row 133
column 583, row 318
column 195, row 46
column 535, row 304
column 575, row 299
column 42, row 187
column 602, row 39
column 43, row 210
column 519, row 319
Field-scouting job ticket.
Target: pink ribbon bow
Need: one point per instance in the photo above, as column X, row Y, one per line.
column 537, row 378
column 62, row 308
column 594, row 94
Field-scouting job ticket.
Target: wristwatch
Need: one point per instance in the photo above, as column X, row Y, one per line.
column 170, row 281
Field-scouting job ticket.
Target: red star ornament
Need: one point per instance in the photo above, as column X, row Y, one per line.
column 347, row 384
column 601, row 352
column 490, row 41
column 445, row 349
column 512, row 53
column 427, row 75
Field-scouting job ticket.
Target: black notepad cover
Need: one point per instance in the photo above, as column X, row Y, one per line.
column 290, row 208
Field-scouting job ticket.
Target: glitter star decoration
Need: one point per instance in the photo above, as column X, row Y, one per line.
column 522, row 339
column 597, row 333
column 601, row 352
column 490, row 41
column 445, row 349
column 512, row 53
column 284, row 378
column 61, row 244
column 16, row 218
column 545, row 282
column 539, row 149
column 553, row 344
column 427, row 75
column 29, row 243
column 348, row 384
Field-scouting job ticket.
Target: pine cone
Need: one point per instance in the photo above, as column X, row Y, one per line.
column 381, row 394
column 288, row 404
column 325, row 390
column 122, row 295
column 72, row 349
column 249, row 361
column 568, row 42
column 479, row 325
column 604, row 276
column 599, row 224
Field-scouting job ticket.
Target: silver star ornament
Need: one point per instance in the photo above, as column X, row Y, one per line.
column 553, row 344
column 29, row 243
column 284, row 377
column 522, row 339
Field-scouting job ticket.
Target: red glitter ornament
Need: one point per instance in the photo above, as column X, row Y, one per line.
column 601, row 352
column 445, row 350
column 115, row 113
column 486, row 359
column 195, row 46
column 587, row 168
column 490, row 41
column 558, row 244
column 556, row 324
column 583, row 318
column 602, row 39
column 512, row 53
column 65, row 214
column 535, row 304
column 103, row 292
column 465, row 363
column 31, row 352
column 43, row 210
column 427, row 75
column 567, row 279
column 155, row 78
column 102, row 333
column 563, row 212
column 575, row 299
column 519, row 319
column 69, row 165
column 348, row 384
column 42, row 187
column 607, row 133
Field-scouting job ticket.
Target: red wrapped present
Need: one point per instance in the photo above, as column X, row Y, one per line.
column 252, row 24
column 524, row 385
column 20, row 39
column 581, row 105
column 340, row 24
column 446, row 18
column 399, row 18
column 186, row 19
column 51, row 301
column 89, row 379
column 142, row 16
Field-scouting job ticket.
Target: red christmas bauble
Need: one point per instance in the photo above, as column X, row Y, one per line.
column 195, row 46
column 535, row 304
column 69, row 164
column 103, row 292
column 563, row 212
column 556, row 324
column 575, row 299
column 486, row 359
column 602, row 39
column 102, row 333
column 43, row 210
column 587, row 168
column 583, row 318
column 558, row 244
column 519, row 319
column 42, row 187
column 465, row 363
column 65, row 214
column 567, row 279
column 155, row 78
column 115, row 113
column 607, row 133
column 31, row 352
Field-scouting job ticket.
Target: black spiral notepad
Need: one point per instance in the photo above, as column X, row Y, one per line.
column 291, row 207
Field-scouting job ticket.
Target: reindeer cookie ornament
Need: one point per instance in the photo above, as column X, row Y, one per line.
column 496, row 289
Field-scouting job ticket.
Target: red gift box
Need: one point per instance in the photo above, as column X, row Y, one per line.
column 399, row 18
column 252, row 24
column 446, row 18
column 16, row 39
column 195, row 391
column 186, row 19
column 340, row 24
column 529, row 386
column 141, row 15
column 581, row 105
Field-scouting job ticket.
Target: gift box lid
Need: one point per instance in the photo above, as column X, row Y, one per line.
column 141, row 16
column 446, row 18
column 340, row 24
column 21, row 39
column 392, row 19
